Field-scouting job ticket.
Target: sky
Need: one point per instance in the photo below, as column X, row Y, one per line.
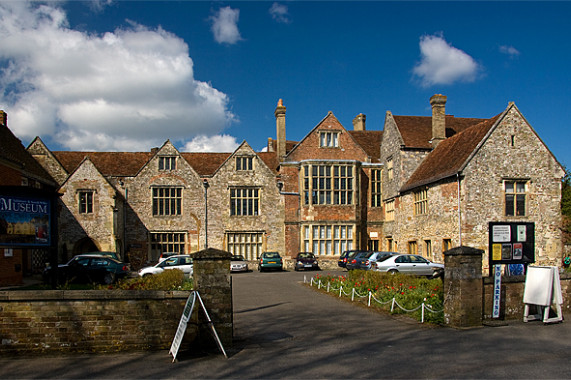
column 113, row 75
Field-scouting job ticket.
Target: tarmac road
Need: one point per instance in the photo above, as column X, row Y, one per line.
column 284, row 329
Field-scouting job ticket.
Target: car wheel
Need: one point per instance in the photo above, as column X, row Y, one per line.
column 393, row 271
column 147, row 275
column 108, row 278
column 260, row 269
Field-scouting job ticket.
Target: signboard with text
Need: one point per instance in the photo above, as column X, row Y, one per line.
column 25, row 221
column 511, row 243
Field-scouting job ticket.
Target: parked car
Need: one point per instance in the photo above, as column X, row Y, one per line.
column 373, row 257
column 354, row 261
column 113, row 255
column 238, row 264
column 306, row 260
column 270, row 260
column 181, row 262
column 410, row 264
column 342, row 262
column 88, row 268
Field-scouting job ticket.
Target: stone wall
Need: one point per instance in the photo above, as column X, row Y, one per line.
column 511, row 305
column 90, row 321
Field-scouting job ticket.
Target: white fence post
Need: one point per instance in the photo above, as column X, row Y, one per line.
column 353, row 294
column 369, row 303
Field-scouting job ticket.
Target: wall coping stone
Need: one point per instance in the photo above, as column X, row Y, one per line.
column 464, row 251
column 86, row 295
column 211, row 254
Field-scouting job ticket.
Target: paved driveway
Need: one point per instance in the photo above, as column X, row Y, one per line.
column 286, row 330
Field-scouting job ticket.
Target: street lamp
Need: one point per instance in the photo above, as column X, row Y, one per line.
column 206, row 186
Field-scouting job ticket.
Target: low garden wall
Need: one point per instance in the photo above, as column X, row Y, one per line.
column 511, row 304
column 90, row 320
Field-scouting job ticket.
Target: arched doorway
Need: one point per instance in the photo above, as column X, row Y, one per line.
column 85, row 245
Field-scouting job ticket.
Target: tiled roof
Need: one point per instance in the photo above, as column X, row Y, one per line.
column 121, row 164
column 416, row 131
column 270, row 159
column 449, row 156
column 12, row 150
column 205, row 163
column 370, row 141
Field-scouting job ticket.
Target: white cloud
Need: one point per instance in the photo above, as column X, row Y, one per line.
column 225, row 25
column 124, row 90
column 223, row 143
column 442, row 63
column 509, row 50
column 280, row 13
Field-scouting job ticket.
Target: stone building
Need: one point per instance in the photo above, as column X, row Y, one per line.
column 422, row 184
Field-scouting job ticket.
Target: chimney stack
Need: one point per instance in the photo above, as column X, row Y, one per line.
column 438, row 103
column 3, row 118
column 359, row 122
column 280, row 130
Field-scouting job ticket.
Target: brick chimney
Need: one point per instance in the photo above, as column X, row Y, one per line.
column 3, row 118
column 359, row 122
column 280, row 130
column 438, row 103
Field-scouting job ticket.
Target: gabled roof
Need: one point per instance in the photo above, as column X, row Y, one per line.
column 416, row 131
column 205, row 164
column 120, row 164
column 13, row 152
column 449, row 157
column 370, row 141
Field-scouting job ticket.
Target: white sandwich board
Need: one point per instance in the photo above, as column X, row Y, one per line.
column 542, row 289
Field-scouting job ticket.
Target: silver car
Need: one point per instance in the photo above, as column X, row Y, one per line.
column 238, row 264
column 410, row 264
column 181, row 262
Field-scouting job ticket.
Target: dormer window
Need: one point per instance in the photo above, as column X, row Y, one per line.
column 243, row 163
column 329, row 139
column 167, row 163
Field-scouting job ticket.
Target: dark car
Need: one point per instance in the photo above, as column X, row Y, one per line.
column 306, row 260
column 354, row 261
column 270, row 260
column 343, row 258
column 85, row 269
column 373, row 257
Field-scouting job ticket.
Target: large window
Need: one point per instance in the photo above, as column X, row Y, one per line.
column 328, row 184
column 247, row 244
column 421, row 202
column 390, row 210
column 167, row 163
column 86, row 201
column 244, row 201
column 376, row 188
column 329, row 139
column 167, row 201
column 167, row 242
column 328, row 239
column 428, row 249
column 515, row 198
column 243, row 163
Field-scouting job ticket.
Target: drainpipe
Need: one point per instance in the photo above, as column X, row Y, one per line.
column 459, row 212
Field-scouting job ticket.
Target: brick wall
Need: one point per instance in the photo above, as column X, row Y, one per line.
column 90, row 321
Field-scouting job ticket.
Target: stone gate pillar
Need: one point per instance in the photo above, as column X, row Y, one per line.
column 463, row 289
column 212, row 281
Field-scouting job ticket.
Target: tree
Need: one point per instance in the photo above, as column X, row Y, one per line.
column 566, row 206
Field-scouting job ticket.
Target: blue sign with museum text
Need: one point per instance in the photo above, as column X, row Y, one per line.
column 24, row 221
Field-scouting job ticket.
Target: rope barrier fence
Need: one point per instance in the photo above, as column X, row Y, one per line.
column 371, row 297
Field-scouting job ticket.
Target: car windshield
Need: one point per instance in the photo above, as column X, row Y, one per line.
column 381, row 259
column 237, row 258
column 271, row 255
column 305, row 255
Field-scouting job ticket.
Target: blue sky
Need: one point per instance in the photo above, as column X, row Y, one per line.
column 128, row 75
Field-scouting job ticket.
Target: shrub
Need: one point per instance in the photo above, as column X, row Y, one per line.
column 172, row 279
column 408, row 291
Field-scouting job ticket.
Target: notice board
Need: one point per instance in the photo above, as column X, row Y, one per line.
column 511, row 243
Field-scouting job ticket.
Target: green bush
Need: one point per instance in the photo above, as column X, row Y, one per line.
column 172, row 279
column 408, row 291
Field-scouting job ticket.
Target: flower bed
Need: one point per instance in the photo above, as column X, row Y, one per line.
column 422, row 298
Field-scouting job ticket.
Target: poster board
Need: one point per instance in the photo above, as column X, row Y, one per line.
column 543, row 289
column 511, row 243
